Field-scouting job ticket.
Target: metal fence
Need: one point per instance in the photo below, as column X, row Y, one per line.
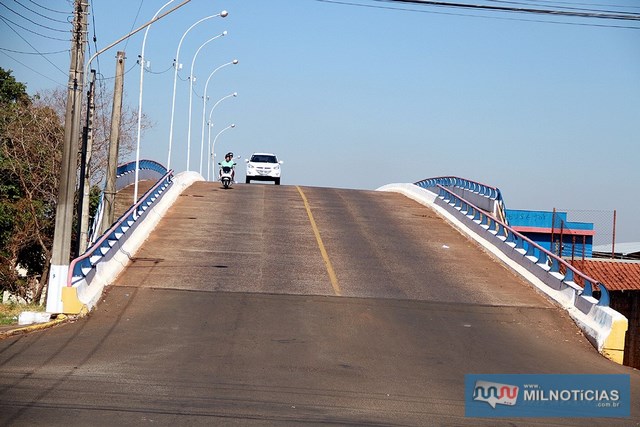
column 603, row 223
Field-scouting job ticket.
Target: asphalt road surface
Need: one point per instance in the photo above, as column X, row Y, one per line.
column 279, row 305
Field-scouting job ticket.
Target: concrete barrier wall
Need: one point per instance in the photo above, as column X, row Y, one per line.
column 84, row 294
column 604, row 327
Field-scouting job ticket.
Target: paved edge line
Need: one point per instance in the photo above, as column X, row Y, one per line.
column 323, row 251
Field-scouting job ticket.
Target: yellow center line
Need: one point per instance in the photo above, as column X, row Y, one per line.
column 323, row 251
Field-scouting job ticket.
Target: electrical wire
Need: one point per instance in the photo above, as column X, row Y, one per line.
column 126, row 43
column 406, row 9
column 40, row 14
column 555, row 2
column 32, row 21
column 35, row 53
column 50, row 10
column 32, row 47
column 160, row 72
column 595, row 15
column 7, row 20
column 35, row 71
column 552, row 4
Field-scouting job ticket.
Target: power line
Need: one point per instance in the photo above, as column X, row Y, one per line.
column 34, row 53
column 626, row 16
column 40, row 14
column 35, row 71
column 32, row 21
column 50, row 10
column 405, row 9
column 555, row 2
column 32, row 47
column 7, row 20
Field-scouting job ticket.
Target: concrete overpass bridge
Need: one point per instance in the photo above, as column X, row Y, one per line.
column 287, row 305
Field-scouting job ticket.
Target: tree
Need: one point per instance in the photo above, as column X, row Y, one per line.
column 31, row 138
column 56, row 99
column 30, row 156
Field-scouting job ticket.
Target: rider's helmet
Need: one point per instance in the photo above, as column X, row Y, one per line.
column 229, row 154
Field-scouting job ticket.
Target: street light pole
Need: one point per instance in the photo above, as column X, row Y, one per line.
column 204, row 107
column 210, row 124
column 176, row 65
column 142, row 64
column 193, row 61
column 214, row 142
column 59, row 269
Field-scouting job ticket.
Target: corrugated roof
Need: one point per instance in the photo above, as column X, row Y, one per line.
column 620, row 248
column 616, row 275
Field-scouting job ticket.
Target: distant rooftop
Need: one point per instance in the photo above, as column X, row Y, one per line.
column 630, row 249
column 615, row 274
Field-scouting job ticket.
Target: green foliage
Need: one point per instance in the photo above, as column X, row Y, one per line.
column 11, row 91
column 30, row 153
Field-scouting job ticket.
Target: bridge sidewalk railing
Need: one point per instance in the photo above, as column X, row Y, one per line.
column 604, row 327
column 100, row 265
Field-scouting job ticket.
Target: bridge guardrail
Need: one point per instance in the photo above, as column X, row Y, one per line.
column 84, row 268
column 542, row 257
column 604, row 327
column 125, row 175
column 490, row 197
column 80, row 267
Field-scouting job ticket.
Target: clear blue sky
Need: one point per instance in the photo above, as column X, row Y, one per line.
column 361, row 96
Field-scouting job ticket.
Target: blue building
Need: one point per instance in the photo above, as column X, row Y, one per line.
column 552, row 231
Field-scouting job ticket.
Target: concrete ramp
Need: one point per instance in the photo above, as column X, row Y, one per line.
column 276, row 305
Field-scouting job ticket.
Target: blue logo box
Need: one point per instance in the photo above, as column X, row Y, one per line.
column 547, row 395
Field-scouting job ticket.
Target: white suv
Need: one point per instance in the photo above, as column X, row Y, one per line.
column 263, row 167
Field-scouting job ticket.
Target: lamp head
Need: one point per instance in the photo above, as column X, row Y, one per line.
column 235, row 93
column 234, row 62
column 233, row 125
column 224, row 14
column 224, row 33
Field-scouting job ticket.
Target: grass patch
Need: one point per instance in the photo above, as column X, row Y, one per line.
column 9, row 312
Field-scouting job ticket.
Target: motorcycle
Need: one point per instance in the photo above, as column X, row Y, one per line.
column 226, row 176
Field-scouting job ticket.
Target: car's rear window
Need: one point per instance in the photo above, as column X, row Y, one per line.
column 259, row 158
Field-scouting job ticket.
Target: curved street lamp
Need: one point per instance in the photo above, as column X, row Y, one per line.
column 214, row 142
column 144, row 42
column 210, row 124
column 204, row 107
column 176, row 65
column 193, row 61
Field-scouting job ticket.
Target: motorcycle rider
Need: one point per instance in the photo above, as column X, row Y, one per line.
column 228, row 162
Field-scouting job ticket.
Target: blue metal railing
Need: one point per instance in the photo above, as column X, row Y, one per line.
column 532, row 251
column 83, row 265
column 484, row 190
column 454, row 181
column 144, row 164
column 154, row 171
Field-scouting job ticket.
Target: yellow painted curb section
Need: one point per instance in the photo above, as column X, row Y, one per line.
column 70, row 302
column 613, row 347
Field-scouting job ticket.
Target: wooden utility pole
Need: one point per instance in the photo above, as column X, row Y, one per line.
column 114, row 145
column 64, row 210
column 84, row 191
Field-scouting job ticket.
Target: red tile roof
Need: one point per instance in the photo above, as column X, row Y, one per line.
column 616, row 275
